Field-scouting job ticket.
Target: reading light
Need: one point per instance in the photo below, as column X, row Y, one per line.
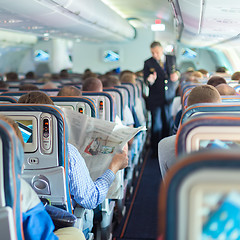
column 158, row 27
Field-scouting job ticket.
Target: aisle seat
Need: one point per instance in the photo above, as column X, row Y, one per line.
column 199, row 198
column 11, row 157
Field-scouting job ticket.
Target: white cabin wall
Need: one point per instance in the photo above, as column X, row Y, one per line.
column 132, row 54
column 27, row 63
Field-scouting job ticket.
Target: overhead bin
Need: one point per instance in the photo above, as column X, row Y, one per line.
column 90, row 19
column 206, row 22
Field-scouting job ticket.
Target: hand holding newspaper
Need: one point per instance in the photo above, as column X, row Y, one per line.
column 97, row 141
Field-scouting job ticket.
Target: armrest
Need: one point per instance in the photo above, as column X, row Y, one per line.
column 60, row 217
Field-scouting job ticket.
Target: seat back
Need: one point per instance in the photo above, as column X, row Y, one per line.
column 46, row 159
column 11, row 159
column 200, row 197
column 209, row 130
column 209, row 107
column 7, row 99
column 104, row 103
column 118, row 100
column 14, row 94
column 80, row 104
column 133, row 92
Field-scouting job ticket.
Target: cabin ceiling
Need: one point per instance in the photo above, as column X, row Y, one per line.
column 198, row 23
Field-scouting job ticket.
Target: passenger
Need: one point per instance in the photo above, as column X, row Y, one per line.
column 111, row 81
column 64, row 74
column 28, row 87
column 49, row 85
column 88, row 75
column 70, row 91
column 86, row 192
column 236, row 76
column 12, row 77
column 4, row 85
column 128, row 120
column 166, row 147
column 225, row 89
column 204, row 72
column 30, row 75
column 197, row 74
column 92, row 84
column 128, row 78
column 162, row 86
column 215, row 80
column 37, row 223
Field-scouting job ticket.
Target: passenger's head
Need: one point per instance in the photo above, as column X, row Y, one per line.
column 30, row 75
column 36, row 98
column 111, row 81
column 128, row 78
column 14, row 125
column 204, row 94
column 92, row 84
column 221, row 69
column 11, row 76
column 69, row 91
column 236, row 76
column 215, row 80
column 204, row 72
column 49, row 85
column 28, row 87
column 89, row 74
column 156, row 50
column 197, row 74
column 4, row 85
column 64, row 74
column 225, row 89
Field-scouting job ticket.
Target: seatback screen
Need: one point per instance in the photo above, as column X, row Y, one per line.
column 26, row 128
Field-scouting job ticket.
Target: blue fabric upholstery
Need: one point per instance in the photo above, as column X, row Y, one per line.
column 77, row 99
column 206, row 119
column 186, row 167
column 209, row 107
column 89, row 94
column 12, row 163
column 62, row 132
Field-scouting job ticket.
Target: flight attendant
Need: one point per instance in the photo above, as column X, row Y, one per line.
column 162, row 78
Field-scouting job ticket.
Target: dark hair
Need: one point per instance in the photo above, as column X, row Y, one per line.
column 11, row 76
column 35, row 97
column 155, row 44
column 215, row 80
column 30, row 75
column 28, row 87
column 69, row 91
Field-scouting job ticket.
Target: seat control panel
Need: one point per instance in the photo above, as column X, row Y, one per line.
column 46, row 133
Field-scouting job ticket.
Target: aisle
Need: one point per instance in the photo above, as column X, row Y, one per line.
column 141, row 221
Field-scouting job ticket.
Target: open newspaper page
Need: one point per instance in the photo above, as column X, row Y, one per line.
column 97, row 141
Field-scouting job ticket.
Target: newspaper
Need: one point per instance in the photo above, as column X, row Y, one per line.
column 97, row 141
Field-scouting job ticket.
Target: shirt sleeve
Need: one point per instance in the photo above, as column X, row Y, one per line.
column 84, row 191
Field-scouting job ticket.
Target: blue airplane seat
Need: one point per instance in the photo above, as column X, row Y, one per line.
column 209, row 107
column 230, row 98
column 104, row 103
column 11, row 159
column 118, row 100
column 199, row 198
column 209, row 130
column 80, row 104
column 46, row 157
column 7, row 99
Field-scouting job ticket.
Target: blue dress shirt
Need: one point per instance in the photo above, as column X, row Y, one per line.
column 84, row 191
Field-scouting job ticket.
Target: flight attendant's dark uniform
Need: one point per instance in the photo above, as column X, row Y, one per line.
column 159, row 101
